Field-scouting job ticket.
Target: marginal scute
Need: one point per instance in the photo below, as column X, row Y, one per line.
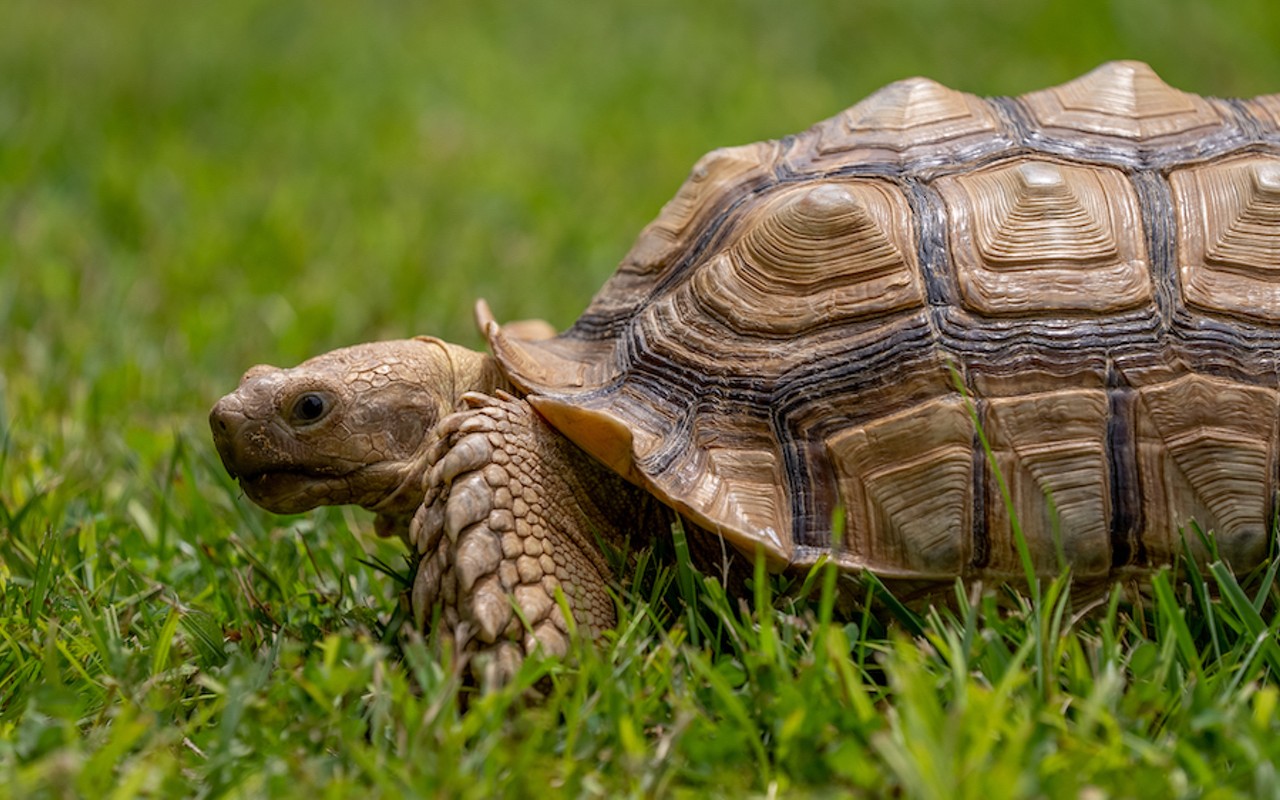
column 738, row 494
column 1051, row 450
column 1036, row 236
column 1229, row 236
column 1123, row 99
column 1207, row 451
column 602, row 435
column 559, row 362
column 815, row 254
column 906, row 484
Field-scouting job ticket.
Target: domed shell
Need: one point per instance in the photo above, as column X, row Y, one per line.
column 891, row 337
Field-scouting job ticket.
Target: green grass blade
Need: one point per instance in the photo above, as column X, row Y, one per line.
column 1263, row 591
column 43, row 577
column 1006, row 499
column 1248, row 615
column 205, row 636
column 686, row 581
column 1171, row 611
column 163, row 643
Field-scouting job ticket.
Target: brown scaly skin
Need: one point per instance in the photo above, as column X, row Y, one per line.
column 501, row 510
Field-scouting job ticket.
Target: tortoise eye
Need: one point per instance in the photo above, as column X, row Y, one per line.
column 310, row 407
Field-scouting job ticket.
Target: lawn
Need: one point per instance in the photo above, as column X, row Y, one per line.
column 189, row 189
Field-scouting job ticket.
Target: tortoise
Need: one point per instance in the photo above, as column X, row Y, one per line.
column 934, row 317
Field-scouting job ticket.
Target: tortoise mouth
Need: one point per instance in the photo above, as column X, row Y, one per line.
column 289, row 491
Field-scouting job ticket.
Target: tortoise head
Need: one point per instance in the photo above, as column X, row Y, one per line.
column 350, row 426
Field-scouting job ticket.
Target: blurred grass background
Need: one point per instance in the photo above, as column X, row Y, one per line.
column 187, row 189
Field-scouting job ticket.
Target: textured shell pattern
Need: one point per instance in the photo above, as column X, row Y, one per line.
column 890, row 323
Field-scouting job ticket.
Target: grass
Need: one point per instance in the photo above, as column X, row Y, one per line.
column 188, row 190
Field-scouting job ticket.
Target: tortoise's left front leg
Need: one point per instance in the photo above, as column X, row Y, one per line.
column 515, row 513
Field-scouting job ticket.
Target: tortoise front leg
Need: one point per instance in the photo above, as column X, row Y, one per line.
column 514, row 514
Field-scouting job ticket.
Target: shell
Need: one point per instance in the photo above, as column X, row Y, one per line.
column 892, row 318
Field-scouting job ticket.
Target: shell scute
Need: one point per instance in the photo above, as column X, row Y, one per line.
column 1051, row 448
column 906, row 482
column 820, row 327
column 1033, row 236
column 1212, row 440
column 913, row 120
column 739, row 490
column 1124, row 100
column 815, row 254
column 719, row 179
column 1229, row 235
column 719, row 175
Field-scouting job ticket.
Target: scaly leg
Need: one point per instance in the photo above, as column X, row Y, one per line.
column 515, row 512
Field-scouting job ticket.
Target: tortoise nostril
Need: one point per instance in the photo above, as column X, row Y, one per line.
column 221, row 417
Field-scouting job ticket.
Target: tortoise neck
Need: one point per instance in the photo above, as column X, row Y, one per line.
column 460, row 371
column 470, row 370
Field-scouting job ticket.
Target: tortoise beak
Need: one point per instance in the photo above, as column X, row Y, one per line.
column 226, row 421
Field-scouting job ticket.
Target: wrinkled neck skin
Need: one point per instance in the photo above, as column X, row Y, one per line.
column 470, row 371
column 353, row 426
